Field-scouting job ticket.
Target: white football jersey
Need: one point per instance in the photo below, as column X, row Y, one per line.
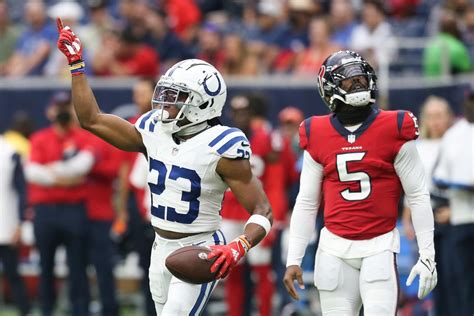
column 186, row 190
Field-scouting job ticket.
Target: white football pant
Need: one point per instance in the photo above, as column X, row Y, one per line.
column 172, row 296
column 345, row 284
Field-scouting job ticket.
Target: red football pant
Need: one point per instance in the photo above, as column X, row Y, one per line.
column 235, row 291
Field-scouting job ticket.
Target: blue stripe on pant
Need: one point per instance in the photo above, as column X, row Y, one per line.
column 205, row 293
column 200, row 298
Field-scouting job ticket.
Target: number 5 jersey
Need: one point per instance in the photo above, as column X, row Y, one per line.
column 361, row 187
column 186, row 190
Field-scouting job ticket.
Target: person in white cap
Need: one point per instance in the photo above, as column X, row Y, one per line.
column 71, row 12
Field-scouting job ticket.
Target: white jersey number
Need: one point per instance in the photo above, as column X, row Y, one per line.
column 167, row 212
column 346, row 176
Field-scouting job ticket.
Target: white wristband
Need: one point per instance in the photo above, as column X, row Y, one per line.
column 260, row 220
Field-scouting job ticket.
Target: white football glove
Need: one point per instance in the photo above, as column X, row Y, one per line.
column 426, row 269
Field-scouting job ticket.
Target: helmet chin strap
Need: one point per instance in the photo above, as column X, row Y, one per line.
column 355, row 99
column 171, row 125
column 361, row 98
column 192, row 128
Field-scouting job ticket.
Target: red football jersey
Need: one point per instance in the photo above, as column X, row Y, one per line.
column 99, row 186
column 260, row 142
column 360, row 186
column 278, row 177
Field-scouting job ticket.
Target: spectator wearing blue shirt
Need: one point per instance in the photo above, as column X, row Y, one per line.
column 295, row 36
column 34, row 44
column 268, row 27
column 341, row 16
column 262, row 35
column 169, row 46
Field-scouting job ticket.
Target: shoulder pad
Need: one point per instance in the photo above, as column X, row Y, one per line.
column 146, row 122
column 231, row 143
column 304, row 131
column 407, row 124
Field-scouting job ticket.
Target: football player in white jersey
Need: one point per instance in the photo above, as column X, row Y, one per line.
column 192, row 161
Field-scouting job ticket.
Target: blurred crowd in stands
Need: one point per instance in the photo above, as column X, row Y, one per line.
column 239, row 37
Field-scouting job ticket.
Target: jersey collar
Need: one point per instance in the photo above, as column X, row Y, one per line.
column 345, row 132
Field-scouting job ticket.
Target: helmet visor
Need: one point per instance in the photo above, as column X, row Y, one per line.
column 169, row 96
column 348, row 71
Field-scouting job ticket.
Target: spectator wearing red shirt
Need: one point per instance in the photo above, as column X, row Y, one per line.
column 101, row 215
column 55, row 172
column 184, row 17
column 123, row 55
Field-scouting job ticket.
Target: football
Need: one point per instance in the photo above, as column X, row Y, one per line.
column 190, row 264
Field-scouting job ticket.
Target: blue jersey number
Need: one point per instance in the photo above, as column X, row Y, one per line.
column 242, row 153
column 188, row 196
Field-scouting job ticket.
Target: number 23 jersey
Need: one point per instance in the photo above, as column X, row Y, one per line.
column 361, row 189
column 186, row 190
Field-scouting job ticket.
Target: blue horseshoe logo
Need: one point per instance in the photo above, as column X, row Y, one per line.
column 212, row 93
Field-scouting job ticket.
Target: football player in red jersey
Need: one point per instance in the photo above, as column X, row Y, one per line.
column 234, row 219
column 360, row 158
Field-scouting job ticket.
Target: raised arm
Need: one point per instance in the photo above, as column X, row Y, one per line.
column 249, row 192
column 110, row 128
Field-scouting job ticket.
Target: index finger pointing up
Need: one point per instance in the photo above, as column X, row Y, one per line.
column 59, row 24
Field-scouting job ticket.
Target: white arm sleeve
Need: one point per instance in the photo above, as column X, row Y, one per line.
column 79, row 165
column 303, row 219
column 39, row 174
column 411, row 172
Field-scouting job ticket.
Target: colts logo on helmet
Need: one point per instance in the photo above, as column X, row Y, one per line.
column 206, row 88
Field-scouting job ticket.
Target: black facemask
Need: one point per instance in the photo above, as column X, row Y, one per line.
column 350, row 115
column 63, row 118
